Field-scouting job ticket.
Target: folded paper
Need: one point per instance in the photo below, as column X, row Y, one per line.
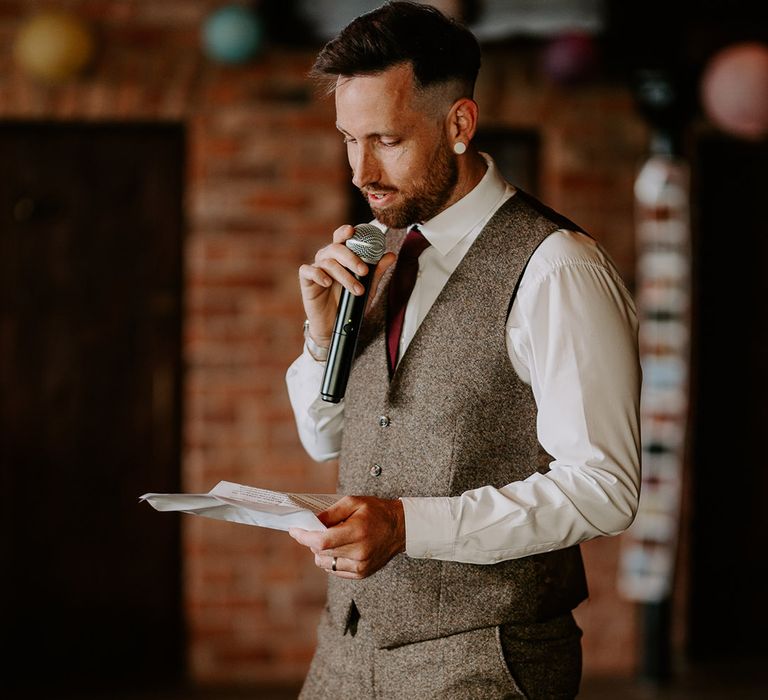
column 248, row 505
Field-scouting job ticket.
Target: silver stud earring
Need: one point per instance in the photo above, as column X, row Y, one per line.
column 459, row 147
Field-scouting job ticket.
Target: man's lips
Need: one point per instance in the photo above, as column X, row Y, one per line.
column 378, row 197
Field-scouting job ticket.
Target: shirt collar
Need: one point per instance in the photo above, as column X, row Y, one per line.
column 451, row 225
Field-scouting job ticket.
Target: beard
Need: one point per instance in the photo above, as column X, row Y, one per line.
column 426, row 197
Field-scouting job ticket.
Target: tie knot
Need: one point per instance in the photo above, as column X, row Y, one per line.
column 414, row 244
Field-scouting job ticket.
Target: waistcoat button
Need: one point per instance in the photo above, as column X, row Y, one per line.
column 376, row 470
column 384, row 421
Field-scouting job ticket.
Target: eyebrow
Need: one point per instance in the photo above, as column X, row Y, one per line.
column 374, row 135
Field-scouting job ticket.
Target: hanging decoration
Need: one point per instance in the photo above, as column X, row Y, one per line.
column 570, row 57
column 734, row 90
column 232, row 34
column 663, row 304
column 54, row 46
column 662, row 226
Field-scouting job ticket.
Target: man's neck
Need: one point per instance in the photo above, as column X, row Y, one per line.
column 472, row 168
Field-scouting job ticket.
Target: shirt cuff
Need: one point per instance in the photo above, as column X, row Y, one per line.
column 430, row 527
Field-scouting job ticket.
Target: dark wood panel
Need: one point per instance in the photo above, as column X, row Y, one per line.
column 90, row 372
column 729, row 473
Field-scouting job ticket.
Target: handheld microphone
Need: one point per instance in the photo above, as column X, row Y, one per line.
column 368, row 244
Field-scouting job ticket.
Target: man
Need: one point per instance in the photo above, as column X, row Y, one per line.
column 489, row 437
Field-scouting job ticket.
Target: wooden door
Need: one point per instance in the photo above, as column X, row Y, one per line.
column 729, row 465
column 90, row 381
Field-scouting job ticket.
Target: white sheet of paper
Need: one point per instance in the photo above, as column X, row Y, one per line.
column 248, row 505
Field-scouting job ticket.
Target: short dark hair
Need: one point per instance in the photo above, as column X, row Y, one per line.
column 439, row 48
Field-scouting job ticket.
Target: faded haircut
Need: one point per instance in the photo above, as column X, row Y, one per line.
column 441, row 51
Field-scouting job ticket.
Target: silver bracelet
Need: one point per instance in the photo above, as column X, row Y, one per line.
column 317, row 353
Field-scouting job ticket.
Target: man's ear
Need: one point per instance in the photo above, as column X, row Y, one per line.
column 462, row 120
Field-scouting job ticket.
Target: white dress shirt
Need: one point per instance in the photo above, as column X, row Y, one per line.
column 572, row 336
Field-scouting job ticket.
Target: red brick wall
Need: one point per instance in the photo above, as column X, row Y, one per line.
column 267, row 184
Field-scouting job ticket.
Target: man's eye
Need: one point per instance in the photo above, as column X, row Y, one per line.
column 348, row 139
column 389, row 142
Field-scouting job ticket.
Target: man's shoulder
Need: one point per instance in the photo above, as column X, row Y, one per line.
column 567, row 244
column 538, row 210
column 565, row 247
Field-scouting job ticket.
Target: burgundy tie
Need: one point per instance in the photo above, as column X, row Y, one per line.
column 400, row 288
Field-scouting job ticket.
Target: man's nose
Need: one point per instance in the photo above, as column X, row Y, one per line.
column 365, row 167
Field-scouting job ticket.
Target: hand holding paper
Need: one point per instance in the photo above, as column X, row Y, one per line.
column 248, row 505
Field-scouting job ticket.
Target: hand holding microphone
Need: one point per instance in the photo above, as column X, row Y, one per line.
column 335, row 290
column 368, row 244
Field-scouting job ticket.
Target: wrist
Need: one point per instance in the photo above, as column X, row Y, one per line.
column 317, row 348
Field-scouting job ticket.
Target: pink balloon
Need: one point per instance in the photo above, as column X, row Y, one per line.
column 734, row 89
column 570, row 57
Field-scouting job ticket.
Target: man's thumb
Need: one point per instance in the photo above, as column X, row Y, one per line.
column 336, row 513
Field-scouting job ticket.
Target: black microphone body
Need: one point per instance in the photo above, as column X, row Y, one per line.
column 368, row 244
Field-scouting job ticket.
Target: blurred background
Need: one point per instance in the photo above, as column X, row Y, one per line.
column 165, row 167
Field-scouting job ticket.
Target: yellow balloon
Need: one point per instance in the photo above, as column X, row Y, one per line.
column 53, row 46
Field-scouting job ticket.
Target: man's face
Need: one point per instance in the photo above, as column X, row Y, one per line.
column 399, row 153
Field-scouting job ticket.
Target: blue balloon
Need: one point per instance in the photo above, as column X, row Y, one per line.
column 232, row 34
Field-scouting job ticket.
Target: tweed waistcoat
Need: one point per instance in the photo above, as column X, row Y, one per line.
column 454, row 416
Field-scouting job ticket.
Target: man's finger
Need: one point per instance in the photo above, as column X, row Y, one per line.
column 322, row 541
column 309, row 538
column 343, row 233
column 333, row 563
column 341, row 567
column 309, row 274
column 340, row 540
column 342, row 255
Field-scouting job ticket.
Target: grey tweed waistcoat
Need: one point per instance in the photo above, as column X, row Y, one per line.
column 454, row 416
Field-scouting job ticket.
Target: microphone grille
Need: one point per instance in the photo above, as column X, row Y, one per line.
column 368, row 243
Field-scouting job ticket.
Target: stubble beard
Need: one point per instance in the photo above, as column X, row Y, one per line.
column 425, row 198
